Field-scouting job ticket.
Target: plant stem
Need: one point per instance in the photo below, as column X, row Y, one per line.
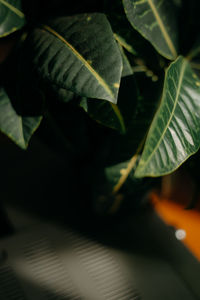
column 127, row 171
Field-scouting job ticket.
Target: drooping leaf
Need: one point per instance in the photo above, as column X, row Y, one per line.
column 80, row 54
column 155, row 20
column 11, row 16
column 18, row 128
column 111, row 115
column 107, row 114
column 174, row 133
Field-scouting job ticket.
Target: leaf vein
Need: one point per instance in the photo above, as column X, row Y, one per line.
column 81, row 58
column 13, row 9
column 162, row 28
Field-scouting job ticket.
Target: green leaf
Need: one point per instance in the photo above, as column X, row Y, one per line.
column 104, row 112
column 11, row 16
column 111, row 115
column 78, row 53
column 175, row 130
column 18, row 128
column 155, row 20
column 127, row 69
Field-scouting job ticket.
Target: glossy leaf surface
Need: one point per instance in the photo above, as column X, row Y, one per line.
column 11, row 16
column 80, row 54
column 155, row 20
column 175, row 130
column 19, row 129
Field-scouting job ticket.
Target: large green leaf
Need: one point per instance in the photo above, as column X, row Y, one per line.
column 155, row 20
column 11, row 16
column 175, row 132
column 78, row 53
column 18, row 128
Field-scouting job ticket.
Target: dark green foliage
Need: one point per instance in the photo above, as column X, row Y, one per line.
column 116, row 83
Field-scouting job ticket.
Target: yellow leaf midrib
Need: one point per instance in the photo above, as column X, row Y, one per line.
column 163, row 29
column 81, row 58
column 127, row 171
column 13, row 9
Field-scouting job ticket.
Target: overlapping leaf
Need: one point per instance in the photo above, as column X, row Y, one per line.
column 127, row 69
column 124, row 33
column 80, row 54
column 174, row 133
column 123, row 154
column 19, row 129
column 108, row 114
column 11, row 16
column 111, row 115
column 155, row 20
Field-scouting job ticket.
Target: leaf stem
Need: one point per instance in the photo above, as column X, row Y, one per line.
column 127, row 171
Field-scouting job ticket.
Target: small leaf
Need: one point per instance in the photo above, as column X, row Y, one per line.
column 11, row 16
column 127, row 69
column 175, row 130
column 80, row 54
column 155, row 20
column 18, row 128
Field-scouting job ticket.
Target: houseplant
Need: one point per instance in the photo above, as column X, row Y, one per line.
column 115, row 81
